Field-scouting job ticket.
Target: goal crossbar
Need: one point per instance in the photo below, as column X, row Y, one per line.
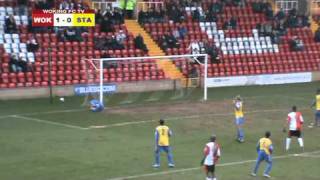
column 150, row 57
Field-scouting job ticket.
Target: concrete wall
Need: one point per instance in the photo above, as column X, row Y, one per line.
column 140, row 86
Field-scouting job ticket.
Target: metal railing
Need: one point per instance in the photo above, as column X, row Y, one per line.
column 103, row 5
column 144, row 6
column 286, row 5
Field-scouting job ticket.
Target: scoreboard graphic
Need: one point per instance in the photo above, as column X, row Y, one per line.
column 63, row 18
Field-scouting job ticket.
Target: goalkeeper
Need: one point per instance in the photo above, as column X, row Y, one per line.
column 96, row 105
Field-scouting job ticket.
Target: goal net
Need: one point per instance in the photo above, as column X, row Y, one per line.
column 180, row 73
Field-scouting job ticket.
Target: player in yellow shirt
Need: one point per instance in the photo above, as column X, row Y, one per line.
column 239, row 117
column 316, row 103
column 264, row 149
column 162, row 136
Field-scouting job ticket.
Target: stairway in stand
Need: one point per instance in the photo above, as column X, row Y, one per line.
column 169, row 68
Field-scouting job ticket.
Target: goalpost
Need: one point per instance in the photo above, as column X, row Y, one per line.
column 96, row 67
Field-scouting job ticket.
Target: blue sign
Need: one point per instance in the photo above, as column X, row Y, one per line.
column 80, row 90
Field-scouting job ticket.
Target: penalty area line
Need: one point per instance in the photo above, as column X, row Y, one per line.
column 198, row 168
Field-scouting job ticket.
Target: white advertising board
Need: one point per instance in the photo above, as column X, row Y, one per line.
column 265, row 79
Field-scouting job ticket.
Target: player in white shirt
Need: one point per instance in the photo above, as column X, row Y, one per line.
column 211, row 155
column 294, row 122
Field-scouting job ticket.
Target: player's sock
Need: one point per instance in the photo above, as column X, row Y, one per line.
column 288, row 141
column 208, row 178
column 300, row 140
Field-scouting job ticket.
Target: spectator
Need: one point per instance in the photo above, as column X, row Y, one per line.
column 108, row 64
column 32, row 44
column 176, row 34
column 112, row 43
column 171, row 41
column 175, row 14
column 13, row 63
column 163, row 42
column 269, row 12
column 128, row 7
column 72, row 34
column 10, row 24
column 196, row 15
column 22, row 65
column 98, row 16
column 106, row 25
column 139, row 43
column 280, row 15
column 231, row 24
column 118, row 17
column 317, row 35
column 216, row 8
column 194, row 47
column 43, row 4
column 305, row 20
column 99, row 43
column 121, row 37
column 212, row 51
column 211, row 17
column 296, row 44
column 66, row 4
column 182, row 31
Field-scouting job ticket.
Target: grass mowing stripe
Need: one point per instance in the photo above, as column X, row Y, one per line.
column 196, row 168
column 48, row 122
column 117, row 107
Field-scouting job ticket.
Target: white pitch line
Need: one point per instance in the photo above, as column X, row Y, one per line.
column 48, row 122
column 45, row 112
column 187, row 117
column 196, row 168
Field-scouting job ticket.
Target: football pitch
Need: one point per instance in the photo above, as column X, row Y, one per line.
column 64, row 141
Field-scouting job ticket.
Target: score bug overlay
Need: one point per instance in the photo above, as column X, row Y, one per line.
column 63, row 18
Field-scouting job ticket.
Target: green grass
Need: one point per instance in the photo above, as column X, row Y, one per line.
column 32, row 150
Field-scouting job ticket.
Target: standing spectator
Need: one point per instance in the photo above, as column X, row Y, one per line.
column 280, row 15
column 211, row 156
column 264, row 149
column 317, row 35
column 118, row 16
column 194, row 47
column 10, row 24
column 128, row 7
column 32, row 44
column 162, row 136
column 139, row 43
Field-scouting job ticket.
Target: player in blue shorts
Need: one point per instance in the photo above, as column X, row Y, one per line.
column 239, row 117
column 264, row 149
column 96, row 105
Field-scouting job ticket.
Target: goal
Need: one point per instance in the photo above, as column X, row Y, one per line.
column 188, row 71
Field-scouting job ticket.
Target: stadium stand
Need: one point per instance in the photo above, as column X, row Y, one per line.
column 242, row 40
column 66, row 66
column 245, row 49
